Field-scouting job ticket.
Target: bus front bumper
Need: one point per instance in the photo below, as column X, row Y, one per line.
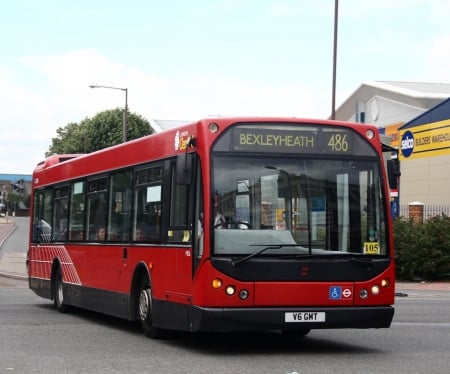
column 253, row 319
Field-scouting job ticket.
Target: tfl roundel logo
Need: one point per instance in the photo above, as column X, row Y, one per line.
column 407, row 143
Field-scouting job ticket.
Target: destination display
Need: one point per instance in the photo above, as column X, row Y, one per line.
column 287, row 139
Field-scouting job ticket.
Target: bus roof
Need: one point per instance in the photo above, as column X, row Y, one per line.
column 55, row 159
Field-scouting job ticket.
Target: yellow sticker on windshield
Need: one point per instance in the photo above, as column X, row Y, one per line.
column 371, row 248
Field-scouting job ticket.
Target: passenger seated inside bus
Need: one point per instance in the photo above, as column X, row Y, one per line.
column 140, row 235
column 146, row 231
column 100, row 233
column 143, row 233
column 114, row 234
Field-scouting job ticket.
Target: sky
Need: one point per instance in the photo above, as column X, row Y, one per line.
column 186, row 60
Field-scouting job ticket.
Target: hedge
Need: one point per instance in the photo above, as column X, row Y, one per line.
column 422, row 250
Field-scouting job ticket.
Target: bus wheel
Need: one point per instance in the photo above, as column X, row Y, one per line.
column 58, row 293
column 145, row 305
column 295, row 333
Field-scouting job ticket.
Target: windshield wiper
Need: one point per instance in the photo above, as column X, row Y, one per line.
column 257, row 253
column 364, row 261
column 352, row 257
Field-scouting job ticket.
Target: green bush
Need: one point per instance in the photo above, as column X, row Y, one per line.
column 422, row 250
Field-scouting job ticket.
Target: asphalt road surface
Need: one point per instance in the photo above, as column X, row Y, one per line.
column 34, row 338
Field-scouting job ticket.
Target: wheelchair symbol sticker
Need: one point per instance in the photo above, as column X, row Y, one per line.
column 335, row 292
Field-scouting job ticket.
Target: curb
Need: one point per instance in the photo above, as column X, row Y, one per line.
column 13, row 275
column 13, row 266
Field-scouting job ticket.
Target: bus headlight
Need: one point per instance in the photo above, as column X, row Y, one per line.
column 375, row 290
column 230, row 290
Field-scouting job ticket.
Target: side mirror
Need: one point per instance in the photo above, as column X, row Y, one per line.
column 393, row 171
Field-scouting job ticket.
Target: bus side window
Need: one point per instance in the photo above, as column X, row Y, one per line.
column 42, row 230
column 147, row 205
column 37, row 213
column 119, row 218
column 60, row 213
column 180, row 230
column 77, row 221
column 96, row 214
column 96, row 205
column 148, row 223
column 45, row 219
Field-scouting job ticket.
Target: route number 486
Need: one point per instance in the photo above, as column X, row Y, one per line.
column 338, row 143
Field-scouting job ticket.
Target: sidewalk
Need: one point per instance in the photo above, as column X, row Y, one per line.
column 422, row 286
column 12, row 265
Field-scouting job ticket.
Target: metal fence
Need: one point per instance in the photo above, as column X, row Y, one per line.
column 428, row 211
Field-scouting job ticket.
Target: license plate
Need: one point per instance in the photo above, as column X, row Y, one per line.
column 304, row 317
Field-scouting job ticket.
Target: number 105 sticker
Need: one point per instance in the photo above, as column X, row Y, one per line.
column 371, row 248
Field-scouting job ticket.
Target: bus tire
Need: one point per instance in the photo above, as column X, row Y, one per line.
column 295, row 333
column 145, row 308
column 58, row 293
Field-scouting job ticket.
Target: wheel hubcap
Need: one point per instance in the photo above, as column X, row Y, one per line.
column 144, row 304
column 60, row 293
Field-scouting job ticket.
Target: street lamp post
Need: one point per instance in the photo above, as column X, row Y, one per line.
column 125, row 112
column 333, row 93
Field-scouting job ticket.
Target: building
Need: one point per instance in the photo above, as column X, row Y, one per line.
column 18, row 183
column 414, row 118
column 384, row 103
column 425, row 157
column 390, row 105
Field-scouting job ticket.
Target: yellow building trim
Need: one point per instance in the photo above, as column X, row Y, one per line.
column 431, row 139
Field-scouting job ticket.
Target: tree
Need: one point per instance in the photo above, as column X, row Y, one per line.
column 103, row 130
column 13, row 197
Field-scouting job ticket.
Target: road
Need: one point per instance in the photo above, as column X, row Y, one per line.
column 34, row 338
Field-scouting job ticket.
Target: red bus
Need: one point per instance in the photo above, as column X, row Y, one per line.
column 225, row 224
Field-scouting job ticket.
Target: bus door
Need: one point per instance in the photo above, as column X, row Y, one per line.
column 181, row 235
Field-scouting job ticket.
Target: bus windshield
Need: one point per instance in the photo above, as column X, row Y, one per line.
column 297, row 205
